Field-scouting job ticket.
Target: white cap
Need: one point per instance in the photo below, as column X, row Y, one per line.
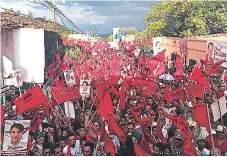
column 220, row 128
column 154, row 124
column 191, row 122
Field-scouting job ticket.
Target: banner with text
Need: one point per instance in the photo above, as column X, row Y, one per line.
column 216, row 51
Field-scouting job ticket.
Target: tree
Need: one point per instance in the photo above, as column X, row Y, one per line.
column 110, row 38
column 132, row 30
column 186, row 18
column 64, row 31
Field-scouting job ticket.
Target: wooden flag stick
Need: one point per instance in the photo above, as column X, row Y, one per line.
column 94, row 100
column 94, row 113
column 208, row 116
column 20, row 91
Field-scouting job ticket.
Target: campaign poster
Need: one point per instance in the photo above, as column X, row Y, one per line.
column 85, row 88
column 117, row 35
column 216, row 51
column 69, row 77
column 17, row 78
column 157, row 45
column 16, row 136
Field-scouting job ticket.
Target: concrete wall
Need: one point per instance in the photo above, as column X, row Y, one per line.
column 196, row 48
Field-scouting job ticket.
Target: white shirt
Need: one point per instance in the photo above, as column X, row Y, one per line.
column 76, row 151
column 205, row 151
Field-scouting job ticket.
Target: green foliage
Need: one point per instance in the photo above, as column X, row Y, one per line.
column 73, row 52
column 110, row 38
column 64, row 31
column 186, row 18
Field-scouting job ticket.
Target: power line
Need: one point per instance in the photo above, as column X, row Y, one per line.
column 51, row 6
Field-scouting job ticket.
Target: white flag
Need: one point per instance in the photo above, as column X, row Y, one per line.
column 218, row 112
column 69, row 109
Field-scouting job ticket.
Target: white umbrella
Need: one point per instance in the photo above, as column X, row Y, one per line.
column 167, row 77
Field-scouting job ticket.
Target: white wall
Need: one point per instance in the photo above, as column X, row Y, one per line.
column 29, row 54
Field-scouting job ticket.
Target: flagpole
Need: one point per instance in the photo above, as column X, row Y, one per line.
column 94, row 100
column 94, row 113
column 20, row 91
column 83, row 103
column 208, row 116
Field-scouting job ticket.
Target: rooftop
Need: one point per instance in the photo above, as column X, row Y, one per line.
column 13, row 20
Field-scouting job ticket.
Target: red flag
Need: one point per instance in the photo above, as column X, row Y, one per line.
column 106, row 107
column 100, row 94
column 109, row 146
column 58, row 82
column 148, row 90
column 63, row 94
column 67, row 59
column 114, row 90
column 198, row 77
column 160, row 56
column 31, row 99
column 115, row 129
column 71, row 42
column 122, row 96
column 201, row 115
column 216, row 69
column 195, row 90
column 69, row 148
column 2, row 114
column 57, row 56
column 51, row 71
column 158, row 131
column 139, row 151
column 144, row 145
column 146, row 122
column 148, row 136
column 64, row 42
column 36, row 121
column 46, row 112
column 176, row 93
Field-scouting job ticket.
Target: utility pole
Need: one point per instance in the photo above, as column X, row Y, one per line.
column 54, row 3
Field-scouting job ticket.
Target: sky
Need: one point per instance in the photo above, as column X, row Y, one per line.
column 104, row 15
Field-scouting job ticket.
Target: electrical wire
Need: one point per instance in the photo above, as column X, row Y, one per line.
column 52, row 7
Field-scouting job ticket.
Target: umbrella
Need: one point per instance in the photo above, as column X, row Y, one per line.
column 167, row 77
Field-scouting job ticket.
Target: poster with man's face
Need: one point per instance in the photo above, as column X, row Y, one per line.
column 17, row 79
column 85, row 88
column 216, row 51
column 157, row 45
column 69, row 77
column 16, row 135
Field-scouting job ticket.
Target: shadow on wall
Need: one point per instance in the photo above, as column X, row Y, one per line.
column 51, row 39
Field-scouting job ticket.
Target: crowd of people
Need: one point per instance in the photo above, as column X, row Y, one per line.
column 144, row 120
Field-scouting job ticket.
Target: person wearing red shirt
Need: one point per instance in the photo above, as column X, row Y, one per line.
column 220, row 140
